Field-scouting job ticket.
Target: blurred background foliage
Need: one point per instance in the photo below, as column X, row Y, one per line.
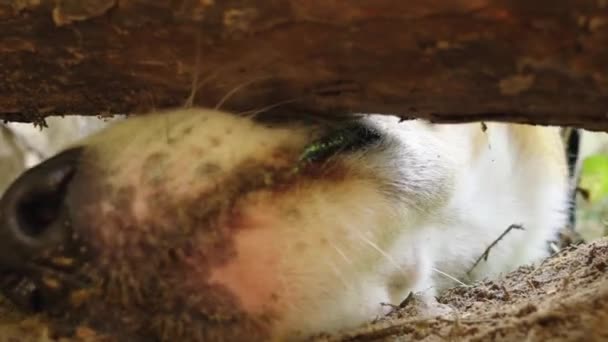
column 592, row 194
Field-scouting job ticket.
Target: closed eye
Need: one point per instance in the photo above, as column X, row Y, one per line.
column 350, row 138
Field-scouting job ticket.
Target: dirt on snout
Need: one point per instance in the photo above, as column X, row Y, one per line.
column 563, row 299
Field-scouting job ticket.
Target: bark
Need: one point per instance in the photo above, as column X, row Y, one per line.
column 541, row 61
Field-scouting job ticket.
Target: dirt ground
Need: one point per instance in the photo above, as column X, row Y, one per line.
column 563, row 299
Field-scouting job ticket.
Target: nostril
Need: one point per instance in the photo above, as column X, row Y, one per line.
column 35, row 229
column 39, row 210
column 32, row 209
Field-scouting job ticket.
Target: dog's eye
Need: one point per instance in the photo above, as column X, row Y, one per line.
column 350, row 138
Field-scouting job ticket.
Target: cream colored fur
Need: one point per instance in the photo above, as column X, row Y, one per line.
column 412, row 213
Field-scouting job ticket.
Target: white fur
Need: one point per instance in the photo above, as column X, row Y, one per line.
column 425, row 204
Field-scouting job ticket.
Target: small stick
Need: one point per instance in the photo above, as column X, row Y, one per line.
column 486, row 253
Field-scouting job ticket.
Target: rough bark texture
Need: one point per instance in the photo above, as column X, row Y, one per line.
column 564, row 299
column 541, row 61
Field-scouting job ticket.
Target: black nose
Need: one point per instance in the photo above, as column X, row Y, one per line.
column 36, row 235
column 34, row 221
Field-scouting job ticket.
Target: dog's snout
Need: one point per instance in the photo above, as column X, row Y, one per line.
column 31, row 210
column 35, row 232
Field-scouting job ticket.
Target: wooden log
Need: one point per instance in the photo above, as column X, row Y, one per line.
column 539, row 61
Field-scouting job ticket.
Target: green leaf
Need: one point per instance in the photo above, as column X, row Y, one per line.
column 594, row 177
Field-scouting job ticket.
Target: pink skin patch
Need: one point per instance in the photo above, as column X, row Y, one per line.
column 253, row 275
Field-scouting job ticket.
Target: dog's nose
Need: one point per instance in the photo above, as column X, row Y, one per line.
column 32, row 209
column 34, row 221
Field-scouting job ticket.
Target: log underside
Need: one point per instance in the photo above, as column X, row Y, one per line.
column 449, row 61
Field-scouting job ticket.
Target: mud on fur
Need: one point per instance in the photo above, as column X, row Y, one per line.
column 243, row 229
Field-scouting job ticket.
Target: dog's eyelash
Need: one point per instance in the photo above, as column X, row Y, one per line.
column 354, row 137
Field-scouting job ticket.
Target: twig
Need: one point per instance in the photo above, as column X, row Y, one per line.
column 486, row 253
column 407, row 300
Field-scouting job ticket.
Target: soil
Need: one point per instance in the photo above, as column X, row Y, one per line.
column 565, row 298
